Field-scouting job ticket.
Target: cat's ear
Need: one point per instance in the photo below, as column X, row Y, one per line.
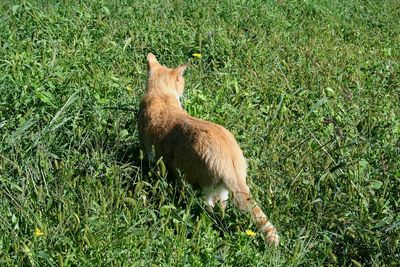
column 152, row 60
column 179, row 71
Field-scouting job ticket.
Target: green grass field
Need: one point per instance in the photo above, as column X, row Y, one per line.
column 310, row 89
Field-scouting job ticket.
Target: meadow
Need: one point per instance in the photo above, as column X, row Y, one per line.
column 310, row 89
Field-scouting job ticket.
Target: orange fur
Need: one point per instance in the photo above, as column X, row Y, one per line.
column 206, row 153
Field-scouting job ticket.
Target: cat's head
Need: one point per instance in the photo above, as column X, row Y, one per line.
column 163, row 78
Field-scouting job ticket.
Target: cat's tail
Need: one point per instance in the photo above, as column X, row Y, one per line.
column 234, row 179
column 244, row 201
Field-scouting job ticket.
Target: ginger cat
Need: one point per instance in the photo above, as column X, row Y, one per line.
column 206, row 153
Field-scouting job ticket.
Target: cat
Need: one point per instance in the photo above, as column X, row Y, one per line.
column 205, row 153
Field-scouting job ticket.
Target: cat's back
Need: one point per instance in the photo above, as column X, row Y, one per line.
column 156, row 114
column 201, row 148
column 205, row 151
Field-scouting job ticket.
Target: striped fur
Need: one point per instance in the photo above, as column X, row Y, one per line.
column 206, row 153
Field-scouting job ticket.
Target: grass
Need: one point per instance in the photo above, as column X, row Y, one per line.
column 310, row 89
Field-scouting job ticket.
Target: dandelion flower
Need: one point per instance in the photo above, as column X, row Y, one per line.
column 38, row 232
column 197, row 55
column 250, row 233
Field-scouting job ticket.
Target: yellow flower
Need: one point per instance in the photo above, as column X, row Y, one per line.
column 196, row 55
column 250, row 233
column 38, row 232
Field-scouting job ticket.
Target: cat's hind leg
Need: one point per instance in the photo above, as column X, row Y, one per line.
column 216, row 194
